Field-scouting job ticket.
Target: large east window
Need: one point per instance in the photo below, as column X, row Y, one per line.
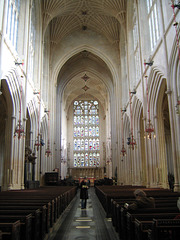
column 153, row 22
column 86, row 134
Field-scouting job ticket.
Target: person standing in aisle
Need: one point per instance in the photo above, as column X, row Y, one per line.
column 83, row 193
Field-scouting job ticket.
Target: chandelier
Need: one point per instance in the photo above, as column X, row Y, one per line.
column 37, row 142
column 123, row 150
column 19, row 130
column 131, row 140
column 48, row 151
column 149, row 129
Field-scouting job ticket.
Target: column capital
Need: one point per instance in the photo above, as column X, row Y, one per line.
column 169, row 91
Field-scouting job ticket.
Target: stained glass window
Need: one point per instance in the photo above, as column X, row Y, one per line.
column 86, row 134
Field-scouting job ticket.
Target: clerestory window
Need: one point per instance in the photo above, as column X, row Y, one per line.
column 13, row 21
column 136, row 47
column 153, row 22
column 86, row 134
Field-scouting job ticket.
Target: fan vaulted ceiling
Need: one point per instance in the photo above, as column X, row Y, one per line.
column 65, row 17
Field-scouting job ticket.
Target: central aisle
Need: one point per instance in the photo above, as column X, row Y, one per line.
column 88, row 224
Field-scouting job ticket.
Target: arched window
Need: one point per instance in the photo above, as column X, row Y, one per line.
column 136, row 45
column 86, row 134
column 153, row 22
column 32, row 41
column 13, row 21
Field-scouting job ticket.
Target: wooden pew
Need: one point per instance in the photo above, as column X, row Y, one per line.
column 42, row 210
column 164, row 229
column 25, row 221
column 22, row 200
column 135, row 230
column 141, row 230
column 122, row 221
column 43, row 205
column 33, row 202
column 56, row 200
column 36, row 219
column 10, row 230
column 106, row 193
column 159, row 203
column 55, row 211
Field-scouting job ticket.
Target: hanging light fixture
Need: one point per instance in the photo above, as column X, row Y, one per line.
column 19, row 130
column 149, row 129
column 48, row 151
column 19, row 61
column 175, row 5
column 37, row 142
column 123, row 150
column 131, row 140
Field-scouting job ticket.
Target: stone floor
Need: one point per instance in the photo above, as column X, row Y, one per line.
column 83, row 224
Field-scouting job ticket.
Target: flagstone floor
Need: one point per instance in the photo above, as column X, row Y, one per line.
column 83, row 224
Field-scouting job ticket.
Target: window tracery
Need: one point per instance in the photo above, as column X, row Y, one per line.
column 153, row 22
column 13, row 21
column 86, row 134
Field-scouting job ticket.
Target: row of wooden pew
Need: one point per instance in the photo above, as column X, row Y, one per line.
column 30, row 214
column 152, row 224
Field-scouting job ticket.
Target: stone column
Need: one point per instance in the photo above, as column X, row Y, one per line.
column 173, row 142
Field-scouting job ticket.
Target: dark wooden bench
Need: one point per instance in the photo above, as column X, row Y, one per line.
column 26, row 224
column 49, row 201
column 164, row 229
column 36, row 219
column 50, row 205
column 45, row 207
column 159, row 203
column 140, row 230
column 41, row 208
column 122, row 220
column 106, row 193
column 36, row 200
column 132, row 227
column 10, row 230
